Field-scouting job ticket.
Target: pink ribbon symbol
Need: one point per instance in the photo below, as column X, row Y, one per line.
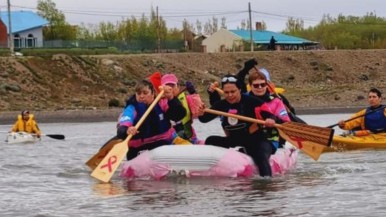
column 112, row 160
column 298, row 141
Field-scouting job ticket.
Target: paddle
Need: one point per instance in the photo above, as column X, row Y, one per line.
column 106, row 168
column 382, row 107
column 310, row 139
column 54, row 136
column 97, row 158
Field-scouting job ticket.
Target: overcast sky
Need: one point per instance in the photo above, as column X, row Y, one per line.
column 274, row 13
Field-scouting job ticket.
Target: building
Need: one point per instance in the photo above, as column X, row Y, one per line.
column 234, row 40
column 27, row 29
column 222, row 41
column 3, row 35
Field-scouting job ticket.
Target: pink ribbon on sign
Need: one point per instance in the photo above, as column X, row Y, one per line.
column 112, row 160
column 298, row 141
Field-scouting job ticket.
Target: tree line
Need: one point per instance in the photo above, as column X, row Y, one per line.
column 342, row 32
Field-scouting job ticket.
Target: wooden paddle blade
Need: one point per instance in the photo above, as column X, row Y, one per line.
column 55, row 136
column 312, row 149
column 98, row 157
column 308, row 138
column 105, row 170
column 319, row 135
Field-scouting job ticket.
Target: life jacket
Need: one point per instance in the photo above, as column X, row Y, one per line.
column 25, row 126
column 273, row 103
column 155, row 126
column 184, row 102
column 185, row 124
column 375, row 121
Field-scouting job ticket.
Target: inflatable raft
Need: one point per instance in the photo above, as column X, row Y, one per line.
column 351, row 142
column 21, row 137
column 201, row 160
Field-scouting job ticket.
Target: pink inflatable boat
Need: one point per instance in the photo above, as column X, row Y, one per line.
column 201, row 160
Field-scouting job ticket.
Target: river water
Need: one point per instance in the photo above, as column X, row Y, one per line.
column 50, row 178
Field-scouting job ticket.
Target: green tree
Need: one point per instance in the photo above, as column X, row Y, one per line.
column 346, row 32
column 58, row 28
column 294, row 25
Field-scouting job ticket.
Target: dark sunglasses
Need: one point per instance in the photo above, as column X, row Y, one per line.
column 229, row 79
column 262, row 85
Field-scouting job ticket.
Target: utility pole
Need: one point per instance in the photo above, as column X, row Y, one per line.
column 158, row 33
column 10, row 35
column 250, row 25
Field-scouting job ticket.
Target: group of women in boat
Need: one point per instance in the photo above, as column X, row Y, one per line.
column 170, row 122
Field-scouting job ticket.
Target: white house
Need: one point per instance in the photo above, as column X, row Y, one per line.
column 27, row 28
column 221, row 41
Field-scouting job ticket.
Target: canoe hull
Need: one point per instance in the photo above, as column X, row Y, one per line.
column 201, row 160
column 21, row 137
column 350, row 142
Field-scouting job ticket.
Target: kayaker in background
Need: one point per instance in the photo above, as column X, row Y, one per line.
column 238, row 132
column 156, row 130
column 370, row 120
column 26, row 123
column 259, row 89
column 191, row 103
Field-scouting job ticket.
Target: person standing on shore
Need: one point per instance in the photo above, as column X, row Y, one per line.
column 272, row 43
column 372, row 120
column 26, row 123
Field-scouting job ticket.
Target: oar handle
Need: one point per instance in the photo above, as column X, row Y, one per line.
column 380, row 108
column 279, row 126
column 240, row 117
column 221, row 92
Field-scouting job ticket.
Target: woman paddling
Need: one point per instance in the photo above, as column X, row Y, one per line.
column 259, row 89
column 191, row 103
column 238, row 132
column 156, row 130
column 373, row 118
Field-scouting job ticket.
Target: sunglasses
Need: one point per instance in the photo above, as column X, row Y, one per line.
column 229, row 79
column 262, row 85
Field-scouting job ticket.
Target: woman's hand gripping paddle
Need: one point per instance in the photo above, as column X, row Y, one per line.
column 106, row 168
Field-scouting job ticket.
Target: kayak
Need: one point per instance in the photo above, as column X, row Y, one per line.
column 21, row 137
column 351, row 142
column 201, row 161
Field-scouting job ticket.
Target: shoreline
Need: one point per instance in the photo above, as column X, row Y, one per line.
column 111, row 115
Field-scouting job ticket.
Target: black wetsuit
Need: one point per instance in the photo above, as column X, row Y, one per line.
column 256, row 144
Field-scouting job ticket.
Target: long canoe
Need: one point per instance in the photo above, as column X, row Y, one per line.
column 350, row 142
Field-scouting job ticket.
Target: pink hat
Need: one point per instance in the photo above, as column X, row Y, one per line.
column 169, row 79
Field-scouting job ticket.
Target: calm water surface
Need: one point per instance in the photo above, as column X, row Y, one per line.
column 50, row 178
